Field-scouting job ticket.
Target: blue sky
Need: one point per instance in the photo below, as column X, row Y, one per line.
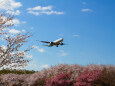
column 87, row 26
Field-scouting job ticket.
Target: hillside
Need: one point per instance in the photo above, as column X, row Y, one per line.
column 61, row 75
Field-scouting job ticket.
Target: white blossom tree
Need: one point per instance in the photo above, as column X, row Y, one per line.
column 10, row 55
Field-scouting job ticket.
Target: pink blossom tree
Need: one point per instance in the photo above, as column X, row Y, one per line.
column 87, row 78
column 62, row 79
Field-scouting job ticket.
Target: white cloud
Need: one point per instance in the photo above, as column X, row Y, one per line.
column 44, row 66
column 41, row 8
column 14, row 31
column 23, row 22
column 52, row 12
column 6, row 35
column 86, row 10
column 35, row 65
column 60, row 34
column 35, row 46
column 32, row 12
column 84, row 3
column 62, row 53
column 31, row 28
column 14, row 21
column 23, row 30
column 41, row 50
column 9, row 4
column 76, row 35
column 4, row 47
column 29, row 56
column 17, row 12
column 1, row 38
column 38, row 10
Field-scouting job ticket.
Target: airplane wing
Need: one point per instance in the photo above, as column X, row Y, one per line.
column 47, row 45
column 45, row 41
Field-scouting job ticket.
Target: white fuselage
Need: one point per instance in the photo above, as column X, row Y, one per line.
column 58, row 41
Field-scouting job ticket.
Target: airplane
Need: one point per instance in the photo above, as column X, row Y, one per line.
column 56, row 42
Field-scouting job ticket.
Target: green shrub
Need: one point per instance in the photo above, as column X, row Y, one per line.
column 7, row 71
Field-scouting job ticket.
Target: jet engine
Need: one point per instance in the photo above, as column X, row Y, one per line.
column 51, row 43
column 61, row 43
